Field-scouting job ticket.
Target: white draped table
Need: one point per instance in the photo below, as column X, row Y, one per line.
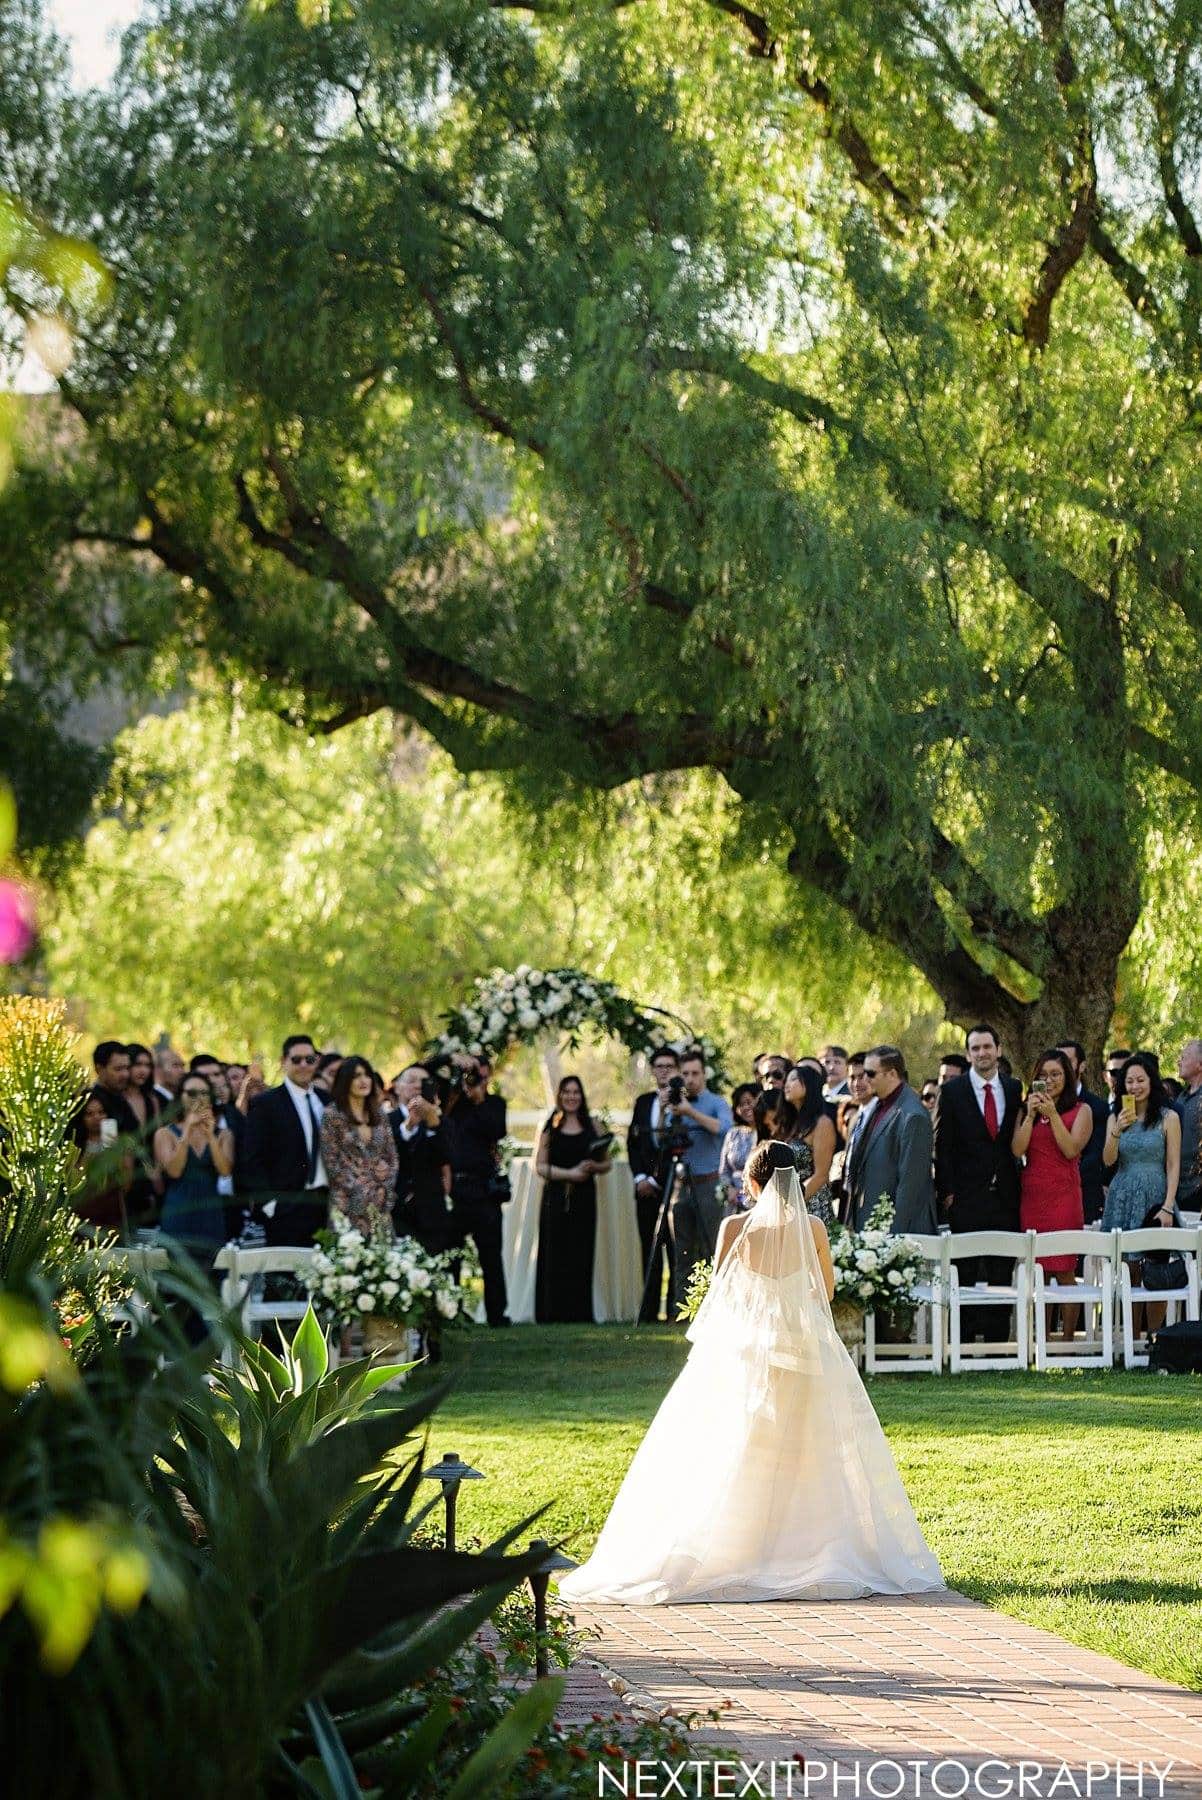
column 617, row 1262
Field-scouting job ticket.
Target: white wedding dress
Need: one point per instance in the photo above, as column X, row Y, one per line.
column 765, row 1474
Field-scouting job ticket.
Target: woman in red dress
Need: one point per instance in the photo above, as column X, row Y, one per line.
column 1053, row 1129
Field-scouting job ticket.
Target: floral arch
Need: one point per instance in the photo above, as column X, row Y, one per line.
column 512, row 1008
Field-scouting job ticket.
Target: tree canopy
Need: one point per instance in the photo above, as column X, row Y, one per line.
column 241, row 879
column 806, row 393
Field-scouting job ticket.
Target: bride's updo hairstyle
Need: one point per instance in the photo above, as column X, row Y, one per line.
column 766, row 1159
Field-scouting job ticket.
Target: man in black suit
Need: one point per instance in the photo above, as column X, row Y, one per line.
column 111, row 1063
column 423, row 1187
column 834, row 1060
column 645, row 1151
column 976, row 1176
column 282, row 1168
column 475, row 1123
column 1093, row 1174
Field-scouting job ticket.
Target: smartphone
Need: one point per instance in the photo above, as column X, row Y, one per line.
column 1039, row 1087
column 108, row 1131
column 1128, row 1106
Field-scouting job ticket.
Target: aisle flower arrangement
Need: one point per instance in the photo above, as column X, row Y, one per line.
column 510, row 1008
column 354, row 1278
column 875, row 1269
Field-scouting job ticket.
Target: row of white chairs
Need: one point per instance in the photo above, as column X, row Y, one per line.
column 241, row 1289
column 1105, row 1291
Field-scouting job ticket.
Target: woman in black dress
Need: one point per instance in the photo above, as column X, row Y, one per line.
column 567, row 1220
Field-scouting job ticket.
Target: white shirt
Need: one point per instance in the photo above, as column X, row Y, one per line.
column 999, row 1098
column 657, row 1113
column 300, row 1099
column 408, row 1131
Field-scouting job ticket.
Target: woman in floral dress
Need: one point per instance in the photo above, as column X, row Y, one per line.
column 359, row 1152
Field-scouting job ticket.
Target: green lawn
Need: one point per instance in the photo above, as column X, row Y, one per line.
column 1073, row 1500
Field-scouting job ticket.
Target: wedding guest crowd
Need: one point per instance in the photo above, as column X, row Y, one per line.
column 206, row 1150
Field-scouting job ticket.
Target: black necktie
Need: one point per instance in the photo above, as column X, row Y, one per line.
column 314, row 1140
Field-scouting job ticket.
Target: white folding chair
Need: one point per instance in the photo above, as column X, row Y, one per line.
column 135, row 1261
column 1180, row 1242
column 1094, row 1294
column 1015, row 1247
column 242, row 1291
column 931, row 1294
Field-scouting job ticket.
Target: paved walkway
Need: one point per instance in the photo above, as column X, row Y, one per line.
column 936, row 1677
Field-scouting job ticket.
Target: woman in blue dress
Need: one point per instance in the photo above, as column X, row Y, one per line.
column 1143, row 1138
column 190, row 1157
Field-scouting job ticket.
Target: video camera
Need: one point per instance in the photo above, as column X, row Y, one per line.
column 673, row 1134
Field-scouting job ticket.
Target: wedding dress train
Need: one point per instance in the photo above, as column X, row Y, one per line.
column 765, row 1474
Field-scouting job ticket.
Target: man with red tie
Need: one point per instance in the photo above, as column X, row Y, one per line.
column 976, row 1176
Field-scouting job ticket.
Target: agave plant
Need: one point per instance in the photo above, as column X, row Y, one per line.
column 272, row 1500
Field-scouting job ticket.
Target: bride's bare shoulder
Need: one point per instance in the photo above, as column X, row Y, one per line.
column 728, row 1231
column 818, row 1231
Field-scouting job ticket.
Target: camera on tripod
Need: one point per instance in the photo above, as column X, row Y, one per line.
column 674, row 1133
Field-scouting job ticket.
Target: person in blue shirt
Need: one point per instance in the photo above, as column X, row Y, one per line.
column 705, row 1119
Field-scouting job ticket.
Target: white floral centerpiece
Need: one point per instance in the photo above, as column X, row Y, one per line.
column 353, row 1279
column 877, row 1270
column 514, row 1007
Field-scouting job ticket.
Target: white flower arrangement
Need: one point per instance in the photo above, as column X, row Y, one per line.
column 513, row 1007
column 876, row 1270
column 356, row 1277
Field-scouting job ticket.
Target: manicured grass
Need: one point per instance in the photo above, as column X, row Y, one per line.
column 1071, row 1500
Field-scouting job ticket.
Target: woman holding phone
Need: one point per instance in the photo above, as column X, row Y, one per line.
column 1052, row 1130
column 1143, row 1137
column 567, row 1220
column 190, row 1157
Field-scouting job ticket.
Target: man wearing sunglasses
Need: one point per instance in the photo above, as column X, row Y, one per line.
column 282, row 1154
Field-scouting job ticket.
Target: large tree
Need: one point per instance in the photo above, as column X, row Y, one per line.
column 808, row 393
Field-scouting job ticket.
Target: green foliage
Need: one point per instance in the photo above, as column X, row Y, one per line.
column 39, row 1094
column 809, row 398
column 231, row 840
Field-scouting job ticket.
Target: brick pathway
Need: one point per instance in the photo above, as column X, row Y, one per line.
column 899, row 1681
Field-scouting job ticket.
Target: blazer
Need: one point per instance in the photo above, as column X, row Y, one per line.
column 981, row 1172
column 275, row 1157
column 894, row 1159
column 643, row 1151
column 1093, row 1173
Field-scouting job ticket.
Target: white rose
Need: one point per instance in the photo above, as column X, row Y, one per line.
column 420, row 1279
column 529, row 1020
column 865, row 1288
column 367, row 1302
column 507, row 1009
column 508, row 982
column 535, row 975
column 496, row 1023
column 522, row 970
column 388, row 1289
column 447, row 1305
column 894, row 1278
column 348, row 1283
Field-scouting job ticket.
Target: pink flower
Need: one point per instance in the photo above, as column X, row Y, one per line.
column 16, row 922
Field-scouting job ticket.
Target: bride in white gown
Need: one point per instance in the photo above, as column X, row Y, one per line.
column 765, row 1474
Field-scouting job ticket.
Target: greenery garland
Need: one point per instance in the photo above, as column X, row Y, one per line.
column 512, row 1008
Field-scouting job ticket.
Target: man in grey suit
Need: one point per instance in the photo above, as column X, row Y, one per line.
column 892, row 1154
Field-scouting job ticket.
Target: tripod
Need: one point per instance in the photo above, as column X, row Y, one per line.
column 676, row 1183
